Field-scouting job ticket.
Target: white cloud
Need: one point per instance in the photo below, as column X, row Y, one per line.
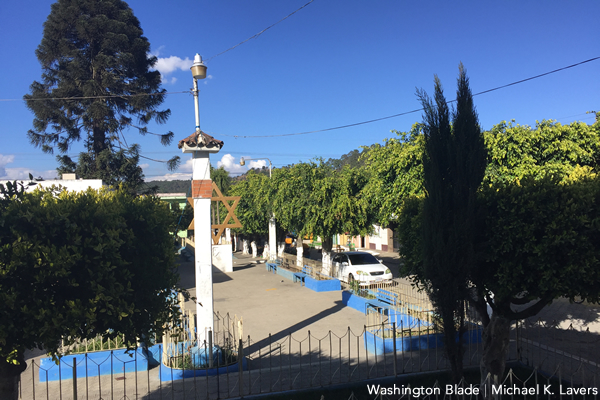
column 3, row 161
column 167, row 65
column 228, row 162
column 257, row 164
column 231, row 165
column 171, row 177
column 20, row 173
column 184, row 172
column 186, row 166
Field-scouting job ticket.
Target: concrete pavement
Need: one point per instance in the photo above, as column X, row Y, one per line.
column 270, row 304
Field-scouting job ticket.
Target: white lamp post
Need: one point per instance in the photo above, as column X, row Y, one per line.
column 200, row 145
column 243, row 162
column 272, row 230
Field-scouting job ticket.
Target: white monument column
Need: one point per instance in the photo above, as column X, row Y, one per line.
column 200, row 145
column 272, row 239
column 202, row 193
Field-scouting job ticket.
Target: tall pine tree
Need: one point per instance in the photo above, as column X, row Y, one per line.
column 96, row 82
column 454, row 166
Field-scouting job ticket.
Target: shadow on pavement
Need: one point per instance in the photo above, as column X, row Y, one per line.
column 296, row 327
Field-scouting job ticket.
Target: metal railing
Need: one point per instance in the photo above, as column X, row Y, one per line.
column 290, row 362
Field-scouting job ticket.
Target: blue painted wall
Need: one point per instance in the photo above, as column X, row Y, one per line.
column 328, row 285
column 97, row 363
column 168, row 374
column 377, row 345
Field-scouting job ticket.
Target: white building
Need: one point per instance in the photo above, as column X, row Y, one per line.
column 69, row 182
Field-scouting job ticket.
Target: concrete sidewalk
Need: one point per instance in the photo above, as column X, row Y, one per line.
column 270, row 304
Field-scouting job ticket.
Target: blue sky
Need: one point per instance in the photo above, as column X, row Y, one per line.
column 333, row 63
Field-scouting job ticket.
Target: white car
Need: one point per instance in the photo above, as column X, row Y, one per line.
column 360, row 266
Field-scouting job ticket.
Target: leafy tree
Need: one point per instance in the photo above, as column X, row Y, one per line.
column 453, row 168
column 96, row 79
column 254, row 209
column 221, row 178
column 353, row 159
column 537, row 244
column 540, row 244
column 174, row 186
column 311, row 198
column 514, row 153
column 114, row 168
column 75, row 265
column 551, row 149
column 396, row 173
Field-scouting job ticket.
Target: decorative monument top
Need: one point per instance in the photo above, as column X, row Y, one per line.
column 200, row 141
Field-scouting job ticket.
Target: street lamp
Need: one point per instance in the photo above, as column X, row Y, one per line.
column 198, row 72
column 243, row 162
column 272, row 231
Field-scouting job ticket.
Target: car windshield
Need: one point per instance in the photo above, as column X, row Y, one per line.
column 362, row 259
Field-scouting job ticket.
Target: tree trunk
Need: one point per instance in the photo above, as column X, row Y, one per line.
column 9, row 377
column 299, row 252
column 495, row 340
column 326, row 245
column 453, row 342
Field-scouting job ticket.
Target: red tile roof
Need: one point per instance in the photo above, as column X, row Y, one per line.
column 200, row 139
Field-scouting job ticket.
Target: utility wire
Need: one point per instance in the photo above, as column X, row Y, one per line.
column 95, row 97
column 348, row 125
column 152, row 94
column 413, row 111
column 258, row 34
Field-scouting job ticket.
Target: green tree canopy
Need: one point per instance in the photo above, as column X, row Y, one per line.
column 395, row 173
column 515, row 152
column 96, row 83
column 551, row 149
column 312, row 198
column 254, row 209
column 76, row 265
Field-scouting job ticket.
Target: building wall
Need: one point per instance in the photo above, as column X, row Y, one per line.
column 382, row 239
column 74, row 185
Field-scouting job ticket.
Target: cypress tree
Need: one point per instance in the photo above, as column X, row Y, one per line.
column 454, row 166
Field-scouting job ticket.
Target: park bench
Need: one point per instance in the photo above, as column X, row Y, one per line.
column 300, row 276
column 271, row 267
column 387, row 297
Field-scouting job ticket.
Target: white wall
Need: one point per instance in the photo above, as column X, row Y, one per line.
column 74, row 185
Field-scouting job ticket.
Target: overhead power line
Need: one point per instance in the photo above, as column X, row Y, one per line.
column 347, row 125
column 402, row 113
column 412, row 111
column 259, row 33
column 95, row 97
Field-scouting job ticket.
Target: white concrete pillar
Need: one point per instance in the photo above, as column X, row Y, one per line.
column 326, row 261
column 272, row 239
column 202, row 193
column 299, row 256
